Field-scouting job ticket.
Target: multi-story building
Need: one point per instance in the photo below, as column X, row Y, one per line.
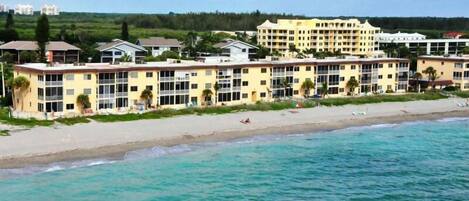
column 114, row 51
column 179, row 84
column 236, row 50
column 452, row 70
column 158, row 45
column 3, row 8
column 347, row 36
column 50, row 10
column 22, row 9
column 418, row 43
column 56, row 51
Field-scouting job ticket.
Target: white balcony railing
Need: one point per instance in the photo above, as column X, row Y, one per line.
column 106, row 96
column 186, row 91
column 166, row 79
column 106, row 81
column 54, row 98
column 54, row 83
column 236, row 88
column 122, row 94
column 122, row 80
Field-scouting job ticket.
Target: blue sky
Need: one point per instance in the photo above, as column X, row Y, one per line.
column 441, row 8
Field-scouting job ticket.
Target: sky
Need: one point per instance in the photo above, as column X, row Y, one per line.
column 403, row 8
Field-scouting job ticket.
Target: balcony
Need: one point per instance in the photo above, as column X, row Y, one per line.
column 106, row 81
column 54, row 83
column 236, row 88
column 322, row 72
column 166, row 92
column 278, row 74
column 167, row 79
column 222, row 90
column 54, row 98
column 403, row 69
column 122, row 94
column 122, row 80
column 182, row 78
column 106, row 96
column 184, row 91
column 237, row 75
column 334, row 71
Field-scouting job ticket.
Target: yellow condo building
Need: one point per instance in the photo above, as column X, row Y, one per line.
column 450, row 70
column 347, row 36
column 53, row 90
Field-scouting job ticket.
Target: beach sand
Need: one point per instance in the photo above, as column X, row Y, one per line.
column 41, row 145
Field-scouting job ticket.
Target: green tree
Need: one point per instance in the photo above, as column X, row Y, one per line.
column 465, row 50
column 216, row 87
column 126, row 58
column 42, row 35
column 352, row 84
column 125, row 31
column 28, row 57
column 19, row 84
column 147, row 96
column 207, row 95
column 432, row 75
column 417, row 77
column 324, row 89
column 286, row 85
column 307, row 85
column 9, row 24
column 83, row 101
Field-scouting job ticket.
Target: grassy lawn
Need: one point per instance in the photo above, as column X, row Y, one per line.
column 264, row 106
column 4, row 133
column 462, row 94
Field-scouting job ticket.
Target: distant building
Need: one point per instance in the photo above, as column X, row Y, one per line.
column 399, row 36
column 236, row 33
column 50, row 10
column 453, row 35
column 158, row 45
column 24, row 9
column 451, row 70
column 418, row 43
column 3, row 8
column 113, row 52
column 56, row 51
column 237, row 50
column 346, row 36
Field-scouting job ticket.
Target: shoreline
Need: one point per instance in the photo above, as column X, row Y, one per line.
column 174, row 136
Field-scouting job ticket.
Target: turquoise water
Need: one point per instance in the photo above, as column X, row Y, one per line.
column 413, row 161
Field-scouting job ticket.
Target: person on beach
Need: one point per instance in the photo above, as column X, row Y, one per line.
column 247, row 121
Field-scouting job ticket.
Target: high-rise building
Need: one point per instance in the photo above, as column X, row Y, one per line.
column 50, row 10
column 3, row 8
column 24, row 9
column 346, row 36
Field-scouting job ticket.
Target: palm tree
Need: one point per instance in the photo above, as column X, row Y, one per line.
column 286, row 85
column 84, row 101
column 432, row 76
column 324, row 89
column 126, row 58
column 352, row 84
column 207, row 94
column 19, row 83
column 216, row 87
column 147, row 96
column 307, row 86
column 418, row 76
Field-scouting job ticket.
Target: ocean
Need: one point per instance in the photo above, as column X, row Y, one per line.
column 423, row 160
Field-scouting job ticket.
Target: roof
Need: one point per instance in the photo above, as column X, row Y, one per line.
column 117, row 42
column 230, row 42
column 462, row 58
column 32, row 45
column 190, row 65
column 159, row 41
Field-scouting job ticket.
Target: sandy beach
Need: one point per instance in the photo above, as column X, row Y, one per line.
column 41, row 145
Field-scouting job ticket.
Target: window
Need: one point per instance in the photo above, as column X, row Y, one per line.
column 133, row 74
column 194, row 74
column 342, row 78
column 245, row 95
column 149, row 87
column 245, row 71
column 208, row 72
column 380, row 77
column 236, row 96
column 263, row 82
column 245, row 83
column 263, row 70
column 263, row 94
column 342, row 67
column 308, row 68
column 87, row 91
column 40, row 107
column 296, row 69
column 87, row 77
column 70, row 92
column 389, row 76
column 40, row 78
column 244, row 50
column 133, row 88
column 353, row 67
column 149, row 74
column 193, row 86
column 295, row 92
column 390, row 66
column 70, row 106
column 69, row 77
column 380, row 66
column 208, row 85
column 117, row 53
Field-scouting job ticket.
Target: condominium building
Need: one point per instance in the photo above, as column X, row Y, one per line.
column 24, row 9
column 347, row 36
column 450, row 70
column 116, row 50
column 3, row 8
column 180, row 84
column 50, row 10
column 56, row 51
column 417, row 43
